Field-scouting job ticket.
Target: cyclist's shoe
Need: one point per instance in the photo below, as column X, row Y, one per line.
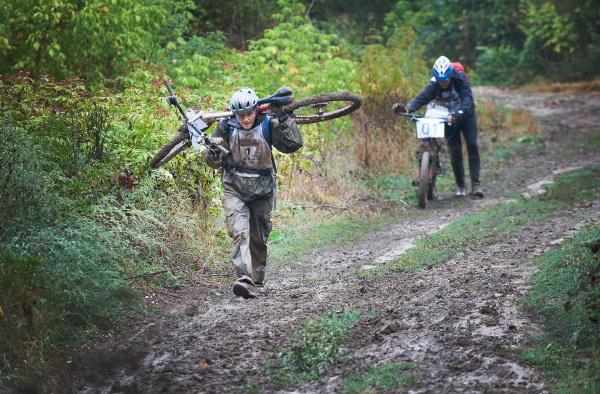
column 462, row 191
column 415, row 182
column 244, row 287
column 477, row 191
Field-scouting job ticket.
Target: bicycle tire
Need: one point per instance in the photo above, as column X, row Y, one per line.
column 424, row 180
column 171, row 149
column 431, row 189
column 352, row 102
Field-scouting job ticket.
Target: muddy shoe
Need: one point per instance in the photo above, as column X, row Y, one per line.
column 244, row 287
column 462, row 191
column 477, row 192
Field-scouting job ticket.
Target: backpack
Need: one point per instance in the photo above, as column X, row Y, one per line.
column 459, row 67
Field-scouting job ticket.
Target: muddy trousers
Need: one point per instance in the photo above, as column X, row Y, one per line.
column 469, row 132
column 249, row 225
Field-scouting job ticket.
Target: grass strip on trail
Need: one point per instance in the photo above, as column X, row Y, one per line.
column 382, row 377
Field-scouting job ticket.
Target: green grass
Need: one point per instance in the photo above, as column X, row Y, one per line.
column 567, row 293
column 383, row 377
column 314, row 347
column 593, row 139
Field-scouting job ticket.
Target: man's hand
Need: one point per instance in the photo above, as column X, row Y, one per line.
column 277, row 109
column 399, row 108
column 216, row 141
column 456, row 117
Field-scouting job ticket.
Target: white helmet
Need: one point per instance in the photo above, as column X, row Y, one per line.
column 442, row 69
column 243, row 101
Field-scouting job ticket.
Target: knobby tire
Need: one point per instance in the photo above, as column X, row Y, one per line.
column 171, row 149
column 352, row 102
column 431, row 189
column 424, row 180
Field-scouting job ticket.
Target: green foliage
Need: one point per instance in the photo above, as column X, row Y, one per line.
column 94, row 39
column 316, row 347
column 383, row 377
column 76, row 194
column 510, row 41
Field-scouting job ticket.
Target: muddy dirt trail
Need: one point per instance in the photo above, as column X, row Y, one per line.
column 455, row 320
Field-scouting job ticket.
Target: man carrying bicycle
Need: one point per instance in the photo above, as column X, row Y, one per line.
column 248, row 181
column 451, row 89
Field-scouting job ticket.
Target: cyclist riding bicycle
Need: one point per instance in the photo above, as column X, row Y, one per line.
column 451, row 89
column 248, row 181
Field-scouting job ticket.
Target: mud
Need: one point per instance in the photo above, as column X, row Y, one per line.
column 457, row 321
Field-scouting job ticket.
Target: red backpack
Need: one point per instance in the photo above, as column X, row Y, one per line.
column 459, row 67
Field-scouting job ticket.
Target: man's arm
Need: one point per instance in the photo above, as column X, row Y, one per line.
column 466, row 95
column 212, row 157
column 429, row 93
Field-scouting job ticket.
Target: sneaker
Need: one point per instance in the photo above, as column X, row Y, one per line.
column 462, row 191
column 477, row 191
column 244, row 287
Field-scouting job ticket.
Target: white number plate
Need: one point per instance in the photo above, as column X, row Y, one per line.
column 430, row 128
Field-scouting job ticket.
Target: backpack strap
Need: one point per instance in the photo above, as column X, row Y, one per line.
column 267, row 134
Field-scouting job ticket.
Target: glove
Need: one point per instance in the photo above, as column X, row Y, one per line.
column 216, row 141
column 399, row 108
column 278, row 111
column 458, row 116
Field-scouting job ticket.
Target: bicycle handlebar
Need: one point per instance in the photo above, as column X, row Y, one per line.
column 415, row 118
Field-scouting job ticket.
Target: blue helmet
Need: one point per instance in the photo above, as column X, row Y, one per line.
column 442, row 69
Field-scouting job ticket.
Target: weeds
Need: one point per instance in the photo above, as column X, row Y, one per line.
column 315, row 347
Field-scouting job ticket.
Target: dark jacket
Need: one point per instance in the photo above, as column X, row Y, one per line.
column 433, row 90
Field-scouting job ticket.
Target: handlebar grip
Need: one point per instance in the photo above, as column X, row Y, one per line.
column 168, row 85
column 219, row 147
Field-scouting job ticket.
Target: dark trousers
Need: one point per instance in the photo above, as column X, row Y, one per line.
column 469, row 132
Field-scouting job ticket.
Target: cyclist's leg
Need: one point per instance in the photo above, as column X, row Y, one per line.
column 237, row 218
column 469, row 130
column 456, row 159
column 260, row 228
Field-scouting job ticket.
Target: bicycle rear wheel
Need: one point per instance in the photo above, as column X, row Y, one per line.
column 324, row 106
column 424, row 180
column 171, row 149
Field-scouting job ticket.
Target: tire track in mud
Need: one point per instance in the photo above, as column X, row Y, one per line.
column 457, row 320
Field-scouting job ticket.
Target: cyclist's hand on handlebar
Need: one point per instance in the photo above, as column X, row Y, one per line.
column 399, row 108
column 277, row 109
column 456, row 117
column 216, row 141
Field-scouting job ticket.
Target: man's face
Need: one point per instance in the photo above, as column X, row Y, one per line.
column 247, row 119
column 444, row 85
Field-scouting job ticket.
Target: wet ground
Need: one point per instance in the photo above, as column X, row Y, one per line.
column 457, row 320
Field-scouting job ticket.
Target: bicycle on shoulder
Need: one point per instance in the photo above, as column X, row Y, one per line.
column 312, row 109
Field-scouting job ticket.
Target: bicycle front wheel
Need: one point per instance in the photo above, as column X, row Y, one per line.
column 424, row 180
column 324, row 106
column 171, row 149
